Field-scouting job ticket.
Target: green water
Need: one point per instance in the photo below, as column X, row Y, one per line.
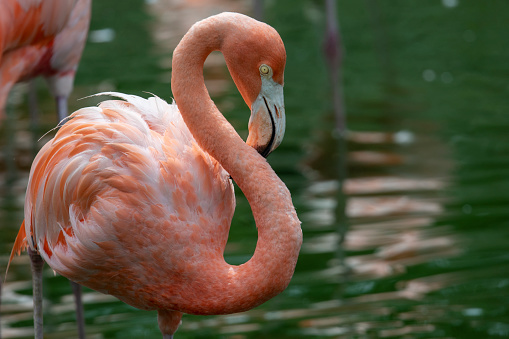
column 415, row 247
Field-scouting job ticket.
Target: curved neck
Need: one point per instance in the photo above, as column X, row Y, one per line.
column 268, row 272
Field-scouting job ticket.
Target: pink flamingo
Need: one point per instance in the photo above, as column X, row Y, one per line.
column 42, row 38
column 133, row 198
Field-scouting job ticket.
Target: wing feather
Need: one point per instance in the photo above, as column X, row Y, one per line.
column 112, row 181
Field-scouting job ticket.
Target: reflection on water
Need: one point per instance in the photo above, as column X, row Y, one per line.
column 412, row 244
column 391, row 229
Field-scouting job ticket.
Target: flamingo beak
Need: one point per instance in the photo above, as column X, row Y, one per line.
column 267, row 122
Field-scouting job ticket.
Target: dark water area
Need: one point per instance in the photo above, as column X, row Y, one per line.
column 405, row 216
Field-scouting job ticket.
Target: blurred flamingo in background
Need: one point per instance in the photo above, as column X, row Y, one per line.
column 43, row 38
column 133, row 198
column 333, row 56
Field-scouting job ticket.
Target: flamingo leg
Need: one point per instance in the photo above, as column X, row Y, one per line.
column 37, row 263
column 80, row 319
column 32, row 103
column 61, row 108
column 34, row 113
column 168, row 321
column 10, row 147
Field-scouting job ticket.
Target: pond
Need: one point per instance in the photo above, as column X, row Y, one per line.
column 405, row 216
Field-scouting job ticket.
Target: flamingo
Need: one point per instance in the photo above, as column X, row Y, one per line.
column 133, row 198
column 42, row 38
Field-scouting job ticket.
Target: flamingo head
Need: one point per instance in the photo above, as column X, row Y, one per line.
column 256, row 57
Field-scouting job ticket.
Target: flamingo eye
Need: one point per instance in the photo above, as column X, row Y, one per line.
column 264, row 69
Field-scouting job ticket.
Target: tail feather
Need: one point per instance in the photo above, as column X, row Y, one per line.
column 19, row 245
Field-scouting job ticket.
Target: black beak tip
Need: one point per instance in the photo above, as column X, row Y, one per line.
column 264, row 151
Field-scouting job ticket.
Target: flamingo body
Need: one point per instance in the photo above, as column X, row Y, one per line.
column 42, row 38
column 121, row 187
column 28, row 22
